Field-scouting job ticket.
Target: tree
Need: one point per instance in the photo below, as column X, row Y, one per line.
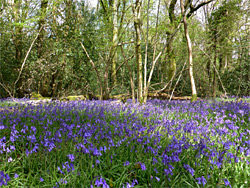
column 173, row 23
column 137, row 24
column 190, row 55
column 221, row 27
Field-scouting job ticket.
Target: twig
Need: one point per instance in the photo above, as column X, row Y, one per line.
column 177, row 80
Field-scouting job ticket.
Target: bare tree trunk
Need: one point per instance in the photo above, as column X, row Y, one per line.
column 190, row 54
column 41, row 22
column 170, row 67
column 214, row 78
column 137, row 25
column 115, row 41
column 146, row 59
column 18, row 44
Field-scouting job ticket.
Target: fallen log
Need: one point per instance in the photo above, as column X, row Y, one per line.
column 157, row 95
column 152, row 95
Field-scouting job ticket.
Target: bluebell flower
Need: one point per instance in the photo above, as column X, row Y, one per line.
column 126, row 163
column 4, row 178
column 227, row 182
column 143, row 167
column 71, row 157
column 201, row 180
column 188, row 168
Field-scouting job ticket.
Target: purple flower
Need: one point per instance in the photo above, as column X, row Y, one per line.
column 10, row 159
column 16, row 176
column 201, row 180
column 62, row 181
column 126, row 163
column 71, row 157
column 101, row 181
column 4, row 178
column 158, row 179
column 188, row 168
column 143, row 167
column 227, row 182
column 41, row 179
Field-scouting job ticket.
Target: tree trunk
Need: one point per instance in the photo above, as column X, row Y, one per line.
column 190, row 55
column 18, row 44
column 115, row 41
column 214, row 78
column 137, row 25
column 41, row 22
column 171, row 69
column 146, row 59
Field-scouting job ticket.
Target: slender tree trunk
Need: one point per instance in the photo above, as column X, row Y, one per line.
column 137, row 25
column 115, row 41
column 18, row 45
column 214, row 78
column 41, row 22
column 146, row 58
column 190, row 54
column 170, row 67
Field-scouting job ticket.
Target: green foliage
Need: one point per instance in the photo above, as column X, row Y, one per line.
column 63, row 69
column 237, row 81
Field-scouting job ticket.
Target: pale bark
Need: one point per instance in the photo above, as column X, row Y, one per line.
column 190, row 54
column 146, row 58
column 156, row 28
column 114, row 41
column 137, row 25
column 170, row 67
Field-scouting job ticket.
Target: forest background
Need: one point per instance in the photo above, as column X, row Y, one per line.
column 136, row 48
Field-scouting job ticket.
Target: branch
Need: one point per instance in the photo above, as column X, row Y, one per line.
column 130, row 76
column 21, row 70
column 177, row 80
column 122, row 43
column 103, row 6
column 93, row 64
column 124, row 62
column 193, row 9
column 6, row 89
column 215, row 70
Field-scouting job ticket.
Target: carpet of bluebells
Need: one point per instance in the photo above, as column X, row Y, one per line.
column 109, row 144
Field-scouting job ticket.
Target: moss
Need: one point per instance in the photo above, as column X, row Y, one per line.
column 194, row 98
column 73, row 98
column 36, row 96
